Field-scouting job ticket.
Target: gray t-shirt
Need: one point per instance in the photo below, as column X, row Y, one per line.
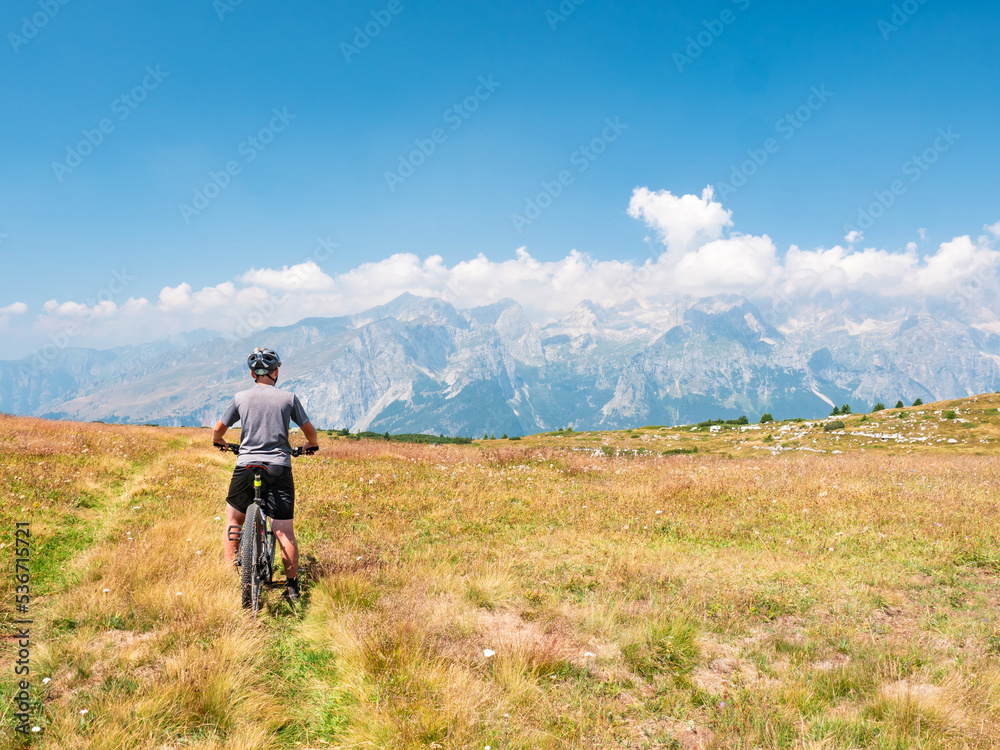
column 263, row 413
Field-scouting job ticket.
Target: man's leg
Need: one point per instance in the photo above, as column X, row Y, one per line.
column 240, row 496
column 285, row 534
column 231, row 542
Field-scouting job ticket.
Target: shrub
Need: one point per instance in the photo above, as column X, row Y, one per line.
column 845, row 409
column 504, row 436
column 743, row 420
column 918, row 402
column 516, row 437
column 835, row 425
column 878, row 407
column 835, row 412
column 899, row 404
column 765, row 418
column 949, row 415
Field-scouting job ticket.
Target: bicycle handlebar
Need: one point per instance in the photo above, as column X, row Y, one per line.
column 296, row 451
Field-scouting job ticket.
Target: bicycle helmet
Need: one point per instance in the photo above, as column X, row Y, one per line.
column 263, row 361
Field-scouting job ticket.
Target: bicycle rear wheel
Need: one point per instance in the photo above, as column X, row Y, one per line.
column 251, row 545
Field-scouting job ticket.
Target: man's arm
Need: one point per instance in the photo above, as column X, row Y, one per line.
column 310, row 432
column 220, row 431
column 229, row 417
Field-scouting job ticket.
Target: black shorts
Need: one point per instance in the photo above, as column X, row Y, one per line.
column 278, row 492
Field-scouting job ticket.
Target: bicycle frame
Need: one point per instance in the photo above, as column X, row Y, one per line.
column 267, row 559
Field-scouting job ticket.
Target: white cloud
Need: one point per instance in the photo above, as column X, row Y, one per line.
column 15, row 308
column 683, row 222
column 993, row 229
column 853, row 236
column 735, row 264
column 175, row 298
column 78, row 309
column 954, row 263
column 305, row 276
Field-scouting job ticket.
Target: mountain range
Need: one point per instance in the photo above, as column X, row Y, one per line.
column 420, row 365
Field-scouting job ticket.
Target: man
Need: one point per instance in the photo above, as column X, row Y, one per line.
column 264, row 412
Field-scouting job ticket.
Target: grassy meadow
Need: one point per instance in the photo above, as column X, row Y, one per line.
column 785, row 586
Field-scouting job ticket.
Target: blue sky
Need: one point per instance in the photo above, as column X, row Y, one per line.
column 556, row 78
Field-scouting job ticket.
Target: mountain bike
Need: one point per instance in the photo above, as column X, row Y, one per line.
column 255, row 559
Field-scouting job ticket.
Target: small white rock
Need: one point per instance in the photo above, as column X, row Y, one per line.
column 488, row 652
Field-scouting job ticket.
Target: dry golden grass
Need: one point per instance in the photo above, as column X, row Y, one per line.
column 528, row 594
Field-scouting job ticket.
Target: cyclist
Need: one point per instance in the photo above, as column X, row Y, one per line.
column 264, row 412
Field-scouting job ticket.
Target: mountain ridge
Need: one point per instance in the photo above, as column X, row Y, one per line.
column 419, row 364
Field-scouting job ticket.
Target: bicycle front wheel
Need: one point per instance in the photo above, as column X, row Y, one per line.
column 251, row 544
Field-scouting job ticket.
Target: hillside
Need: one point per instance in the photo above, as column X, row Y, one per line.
column 566, row 590
column 970, row 425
